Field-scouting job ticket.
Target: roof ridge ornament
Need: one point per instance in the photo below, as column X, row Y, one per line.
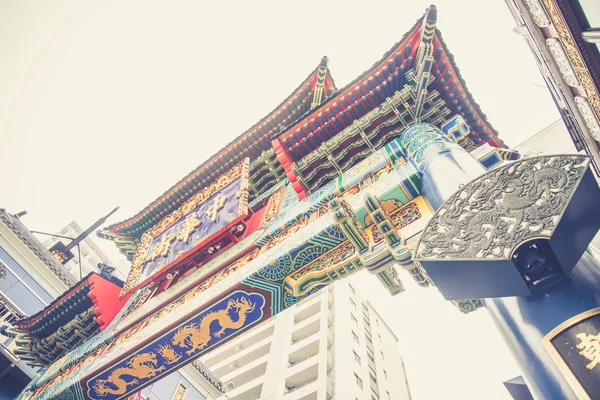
column 321, row 76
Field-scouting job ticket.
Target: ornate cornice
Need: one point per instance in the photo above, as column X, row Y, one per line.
column 208, row 375
column 36, row 246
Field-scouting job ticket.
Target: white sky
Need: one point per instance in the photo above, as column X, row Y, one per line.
column 110, row 103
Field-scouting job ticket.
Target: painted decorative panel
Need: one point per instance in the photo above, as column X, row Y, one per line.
column 178, row 346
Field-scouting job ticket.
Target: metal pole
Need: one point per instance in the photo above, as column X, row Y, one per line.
column 79, row 255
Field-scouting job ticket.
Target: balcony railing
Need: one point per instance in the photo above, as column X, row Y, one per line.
column 300, row 386
column 297, row 321
column 304, row 337
column 330, row 387
column 255, row 355
column 235, row 386
column 292, row 364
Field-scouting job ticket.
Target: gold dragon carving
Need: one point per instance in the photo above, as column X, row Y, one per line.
column 170, row 355
column 196, row 337
column 140, row 366
column 193, row 336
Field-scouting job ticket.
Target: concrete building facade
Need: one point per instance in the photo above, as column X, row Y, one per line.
column 30, row 279
column 332, row 345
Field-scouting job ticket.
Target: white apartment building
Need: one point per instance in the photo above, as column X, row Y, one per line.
column 91, row 254
column 554, row 139
column 331, row 345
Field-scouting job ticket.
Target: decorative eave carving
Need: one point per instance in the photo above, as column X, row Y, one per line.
column 562, row 61
column 588, row 116
column 537, row 13
column 241, row 171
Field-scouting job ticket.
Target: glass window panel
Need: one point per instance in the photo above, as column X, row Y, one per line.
column 23, row 298
column 37, row 289
column 8, row 282
column 21, row 273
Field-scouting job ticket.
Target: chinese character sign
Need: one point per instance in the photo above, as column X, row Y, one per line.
column 206, row 219
column 574, row 346
column 202, row 217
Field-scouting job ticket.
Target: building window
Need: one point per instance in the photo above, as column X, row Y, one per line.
column 377, row 321
column 374, row 396
column 355, row 337
column 372, row 371
column 373, row 377
column 358, row 381
column 353, row 318
column 367, row 323
column 352, row 289
column 382, row 357
column 385, row 374
column 356, row 358
column 389, row 397
column 370, row 355
column 379, row 337
column 368, row 335
column 353, row 303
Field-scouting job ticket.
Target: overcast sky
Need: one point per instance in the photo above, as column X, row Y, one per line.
column 111, row 103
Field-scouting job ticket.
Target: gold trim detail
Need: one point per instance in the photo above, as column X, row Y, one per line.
column 558, row 360
column 273, row 205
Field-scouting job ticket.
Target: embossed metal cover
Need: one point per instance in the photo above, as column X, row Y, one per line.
column 468, row 245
